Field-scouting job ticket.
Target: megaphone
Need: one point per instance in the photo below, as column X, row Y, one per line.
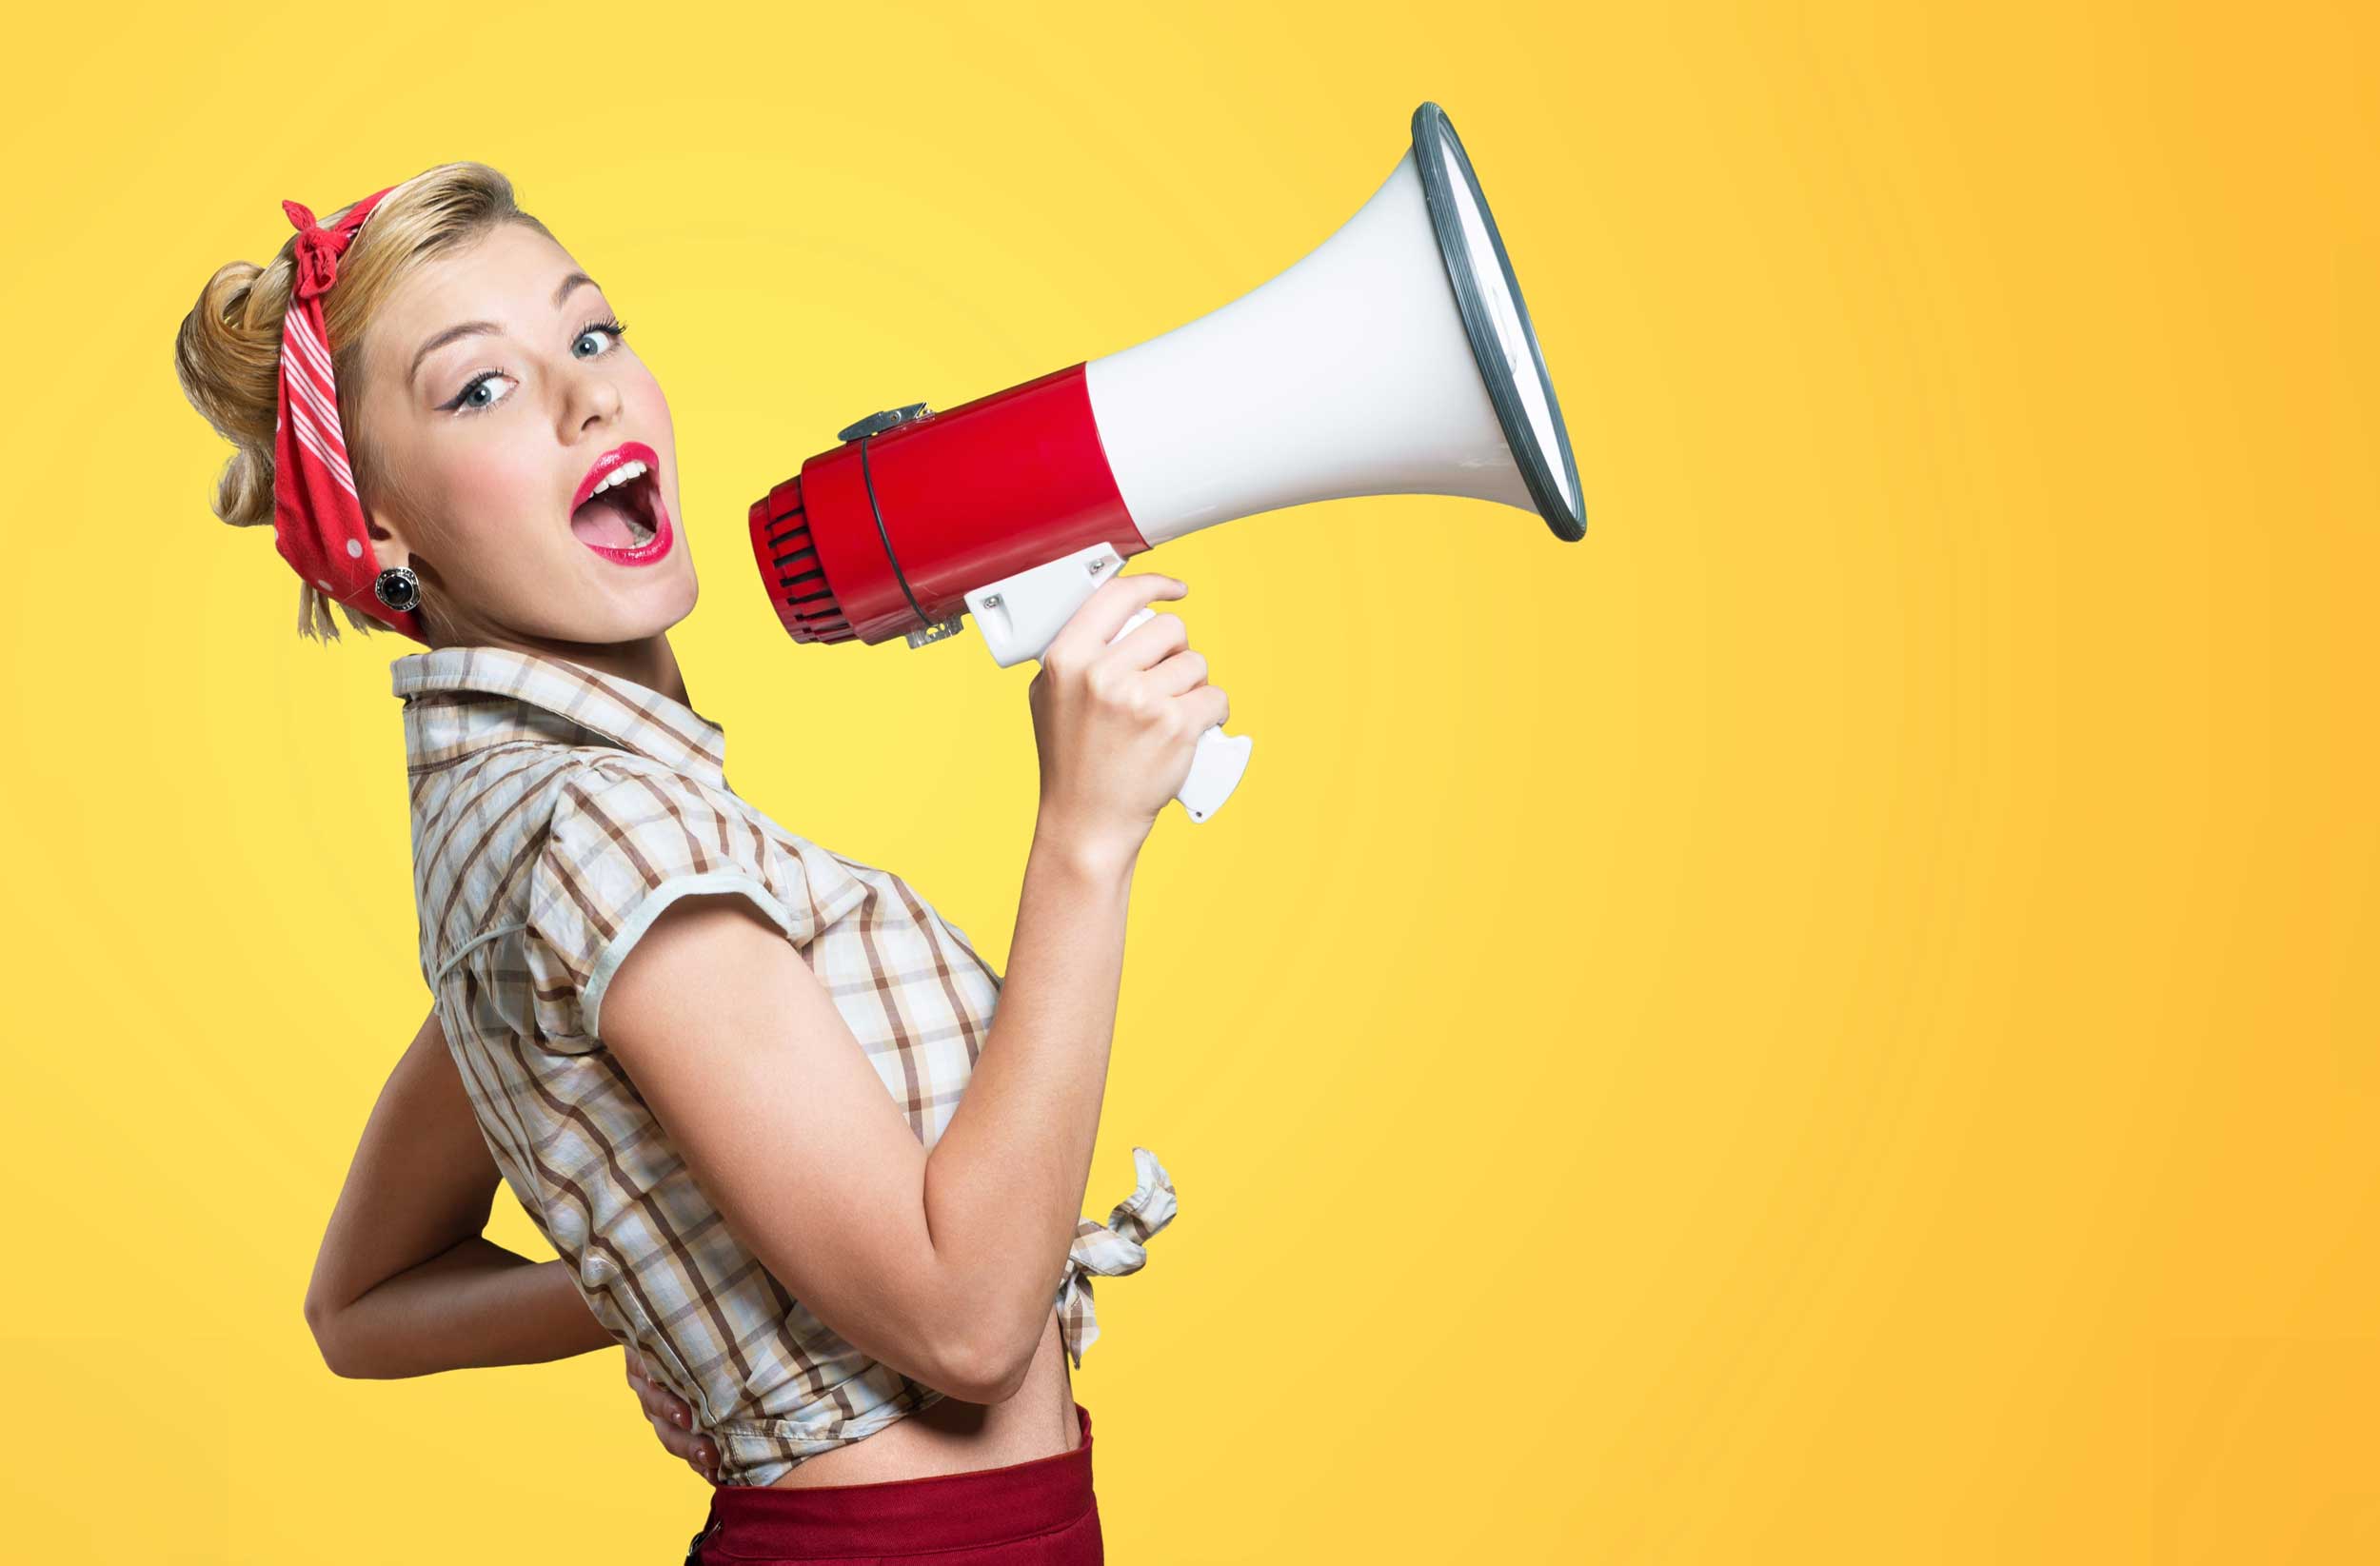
column 1397, row 358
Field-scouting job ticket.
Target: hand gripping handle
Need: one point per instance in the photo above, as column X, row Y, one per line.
column 1021, row 615
column 1216, row 766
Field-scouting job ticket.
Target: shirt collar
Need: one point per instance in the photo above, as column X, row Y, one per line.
column 608, row 705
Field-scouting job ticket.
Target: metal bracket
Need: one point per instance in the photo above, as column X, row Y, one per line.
column 940, row 630
column 876, row 424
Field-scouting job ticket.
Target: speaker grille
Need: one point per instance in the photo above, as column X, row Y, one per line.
column 787, row 557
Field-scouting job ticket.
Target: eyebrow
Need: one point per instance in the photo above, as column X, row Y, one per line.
column 576, row 280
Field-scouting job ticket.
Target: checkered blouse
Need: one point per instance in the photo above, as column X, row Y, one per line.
column 556, row 810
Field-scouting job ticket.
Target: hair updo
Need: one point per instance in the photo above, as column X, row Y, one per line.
column 227, row 353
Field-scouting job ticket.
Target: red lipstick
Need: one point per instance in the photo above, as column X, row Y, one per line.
column 628, row 451
column 665, row 531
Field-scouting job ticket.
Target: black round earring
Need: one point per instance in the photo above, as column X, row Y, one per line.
column 398, row 587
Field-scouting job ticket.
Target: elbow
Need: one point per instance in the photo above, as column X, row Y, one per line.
column 324, row 1322
column 1006, row 1378
column 983, row 1382
column 986, row 1371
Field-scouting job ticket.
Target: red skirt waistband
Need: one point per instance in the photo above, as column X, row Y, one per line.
column 935, row 1512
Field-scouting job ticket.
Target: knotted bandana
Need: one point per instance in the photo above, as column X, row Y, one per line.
column 317, row 522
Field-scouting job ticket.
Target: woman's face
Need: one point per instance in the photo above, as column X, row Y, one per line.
column 495, row 393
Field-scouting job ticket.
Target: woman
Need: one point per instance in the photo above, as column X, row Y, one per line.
column 752, row 1091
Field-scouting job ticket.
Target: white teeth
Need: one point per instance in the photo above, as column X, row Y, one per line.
column 619, row 475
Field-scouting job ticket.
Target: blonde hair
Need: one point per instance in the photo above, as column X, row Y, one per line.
column 227, row 353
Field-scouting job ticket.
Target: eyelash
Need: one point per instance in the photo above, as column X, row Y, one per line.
column 454, row 405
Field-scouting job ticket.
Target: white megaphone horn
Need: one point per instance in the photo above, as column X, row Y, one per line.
column 1395, row 358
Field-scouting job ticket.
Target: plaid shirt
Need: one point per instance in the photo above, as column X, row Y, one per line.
column 556, row 811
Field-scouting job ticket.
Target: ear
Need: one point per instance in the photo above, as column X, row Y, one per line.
column 389, row 545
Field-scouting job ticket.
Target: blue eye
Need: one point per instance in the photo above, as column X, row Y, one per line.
column 611, row 329
column 469, row 401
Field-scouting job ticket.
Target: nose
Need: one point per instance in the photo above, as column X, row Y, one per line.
column 595, row 401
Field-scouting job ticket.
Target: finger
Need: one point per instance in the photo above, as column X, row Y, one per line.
column 658, row 1401
column 703, row 1457
column 679, row 1443
column 664, row 1406
column 1209, row 705
column 1157, row 637
column 1184, row 670
column 1095, row 624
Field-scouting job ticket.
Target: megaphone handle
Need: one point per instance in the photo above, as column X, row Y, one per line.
column 1221, row 758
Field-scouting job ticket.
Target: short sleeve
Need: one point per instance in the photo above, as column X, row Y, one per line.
column 621, row 847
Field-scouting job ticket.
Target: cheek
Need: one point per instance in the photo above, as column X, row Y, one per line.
column 491, row 516
column 495, row 492
column 647, row 407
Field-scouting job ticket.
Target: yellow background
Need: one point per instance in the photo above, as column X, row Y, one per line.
column 1830, row 1021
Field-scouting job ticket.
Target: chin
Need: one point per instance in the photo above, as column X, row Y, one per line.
column 668, row 607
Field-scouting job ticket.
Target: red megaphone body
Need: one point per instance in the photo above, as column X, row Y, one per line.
column 886, row 533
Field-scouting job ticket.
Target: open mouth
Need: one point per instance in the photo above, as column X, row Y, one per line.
column 625, row 510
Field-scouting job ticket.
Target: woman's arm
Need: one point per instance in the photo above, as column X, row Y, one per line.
column 944, row 1266
column 406, row 1283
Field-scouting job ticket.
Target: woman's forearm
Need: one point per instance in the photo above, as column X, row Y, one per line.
column 1005, row 1181
column 475, row 1306
column 406, row 1283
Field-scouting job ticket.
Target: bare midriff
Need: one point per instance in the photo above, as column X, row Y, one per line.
column 952, row 1436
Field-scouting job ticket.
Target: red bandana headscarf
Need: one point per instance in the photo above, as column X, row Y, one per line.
column 317, row 523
